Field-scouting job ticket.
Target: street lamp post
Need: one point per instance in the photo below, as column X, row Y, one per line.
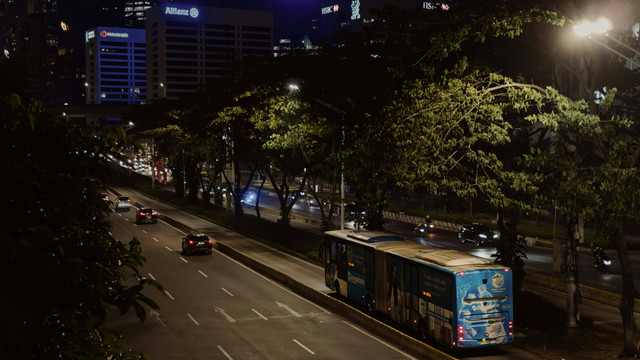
column 294, row 87
column 602, row 26
column 164, row 90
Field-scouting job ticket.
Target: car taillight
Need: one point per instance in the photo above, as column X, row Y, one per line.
column 153, row 213
column 141, row 213
column 191, row 242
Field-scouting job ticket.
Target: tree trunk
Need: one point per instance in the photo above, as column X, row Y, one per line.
column 627, row 301
column 264, row 178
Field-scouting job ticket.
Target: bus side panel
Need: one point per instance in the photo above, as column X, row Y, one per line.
column 382, row 301
column 436, row 303
column 484, row 322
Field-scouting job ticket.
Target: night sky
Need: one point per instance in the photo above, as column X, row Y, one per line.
column 292, row 18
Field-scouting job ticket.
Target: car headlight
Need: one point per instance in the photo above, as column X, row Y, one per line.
column 495, row 236
column 607, row 262
column 483, row 236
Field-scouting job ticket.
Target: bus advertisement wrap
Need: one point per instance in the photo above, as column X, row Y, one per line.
column 453, row 298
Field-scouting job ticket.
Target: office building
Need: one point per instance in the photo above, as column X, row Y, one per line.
column 337, row 18
column 188, row 46
column 115, row 66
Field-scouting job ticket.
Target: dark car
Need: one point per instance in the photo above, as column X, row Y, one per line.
column 146, row 215
column 353, row 212
column 196, row 243
column 479, row 234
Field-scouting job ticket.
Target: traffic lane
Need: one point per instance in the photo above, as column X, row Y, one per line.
column 539, row 259
column 248, row 303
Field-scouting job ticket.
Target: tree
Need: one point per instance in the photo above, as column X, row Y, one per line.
column 60, row 268
column 593, row 167
column 293, row 139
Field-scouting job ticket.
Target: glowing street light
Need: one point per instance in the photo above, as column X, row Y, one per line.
column 587, row 28
column 601, row 27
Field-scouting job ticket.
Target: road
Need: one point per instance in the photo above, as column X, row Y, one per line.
column 216, row 308
column 206, row 292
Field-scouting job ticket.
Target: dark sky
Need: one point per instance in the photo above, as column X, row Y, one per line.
column 292, row 18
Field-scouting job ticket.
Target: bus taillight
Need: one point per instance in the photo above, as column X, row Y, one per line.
column 511, row 328
column 460, row 333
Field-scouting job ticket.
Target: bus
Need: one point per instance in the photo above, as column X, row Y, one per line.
column 447, row 296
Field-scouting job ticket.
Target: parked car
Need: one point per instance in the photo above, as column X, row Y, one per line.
column 123, row 203
column 146, row 215
column 477, row 233
column 196, row 243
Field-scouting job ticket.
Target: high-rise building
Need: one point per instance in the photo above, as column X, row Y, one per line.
column 115, row 66
column 340, row 17
column 188, row 46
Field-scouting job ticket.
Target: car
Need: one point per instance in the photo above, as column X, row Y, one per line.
column 353, row 212
column 477, row 233
column 146, row 215
column 197, row 243
column 123, row 203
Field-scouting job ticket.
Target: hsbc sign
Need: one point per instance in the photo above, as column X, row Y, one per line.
column 330, row 9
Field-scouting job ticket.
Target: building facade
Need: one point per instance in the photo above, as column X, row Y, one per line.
column 189, row 46
column 116, row 68
column 337, row 18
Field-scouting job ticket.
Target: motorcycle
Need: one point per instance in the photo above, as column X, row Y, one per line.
column 421, row 229
column 602, row 261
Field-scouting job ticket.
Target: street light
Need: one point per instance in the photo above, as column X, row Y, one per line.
column 602, row 26
column 164, row 90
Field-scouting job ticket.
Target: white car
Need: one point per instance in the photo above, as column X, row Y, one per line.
column 123, row 203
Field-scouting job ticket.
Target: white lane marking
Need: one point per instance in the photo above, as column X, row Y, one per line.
column 169, row 295
column 286, row 307
column 144, row 231
column 227, row 291
column 151, row 276
column 168, row 248
column 203, row 274
column 224, row 314
column 380, row 341
column 155, row 239
column 273, row 282
column 262, row 316
column 110, row 234
column 304, row 347
column 192, row 319
column 183, row 259
column 119, row 214
column 225, row 353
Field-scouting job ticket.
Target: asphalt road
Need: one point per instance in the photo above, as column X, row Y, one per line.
column 215, row 308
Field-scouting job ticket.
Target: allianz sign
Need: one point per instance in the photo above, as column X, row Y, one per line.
column 170, row 10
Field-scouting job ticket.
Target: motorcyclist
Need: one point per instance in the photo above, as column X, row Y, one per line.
column 134, row 244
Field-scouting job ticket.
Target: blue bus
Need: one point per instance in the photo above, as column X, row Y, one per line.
column 447, row 296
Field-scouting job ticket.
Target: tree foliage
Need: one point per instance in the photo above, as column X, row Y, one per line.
column 60, row 268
